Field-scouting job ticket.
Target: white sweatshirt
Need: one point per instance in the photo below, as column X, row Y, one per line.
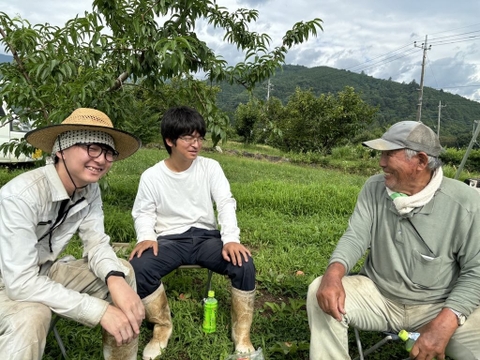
column 170, row 202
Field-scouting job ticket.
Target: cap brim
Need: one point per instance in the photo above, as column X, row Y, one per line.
column 382, row 145
column 125, row 143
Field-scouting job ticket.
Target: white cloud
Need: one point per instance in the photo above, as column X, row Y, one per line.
column 363, row 35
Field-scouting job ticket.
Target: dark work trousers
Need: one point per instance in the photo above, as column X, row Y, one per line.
column 193, row 247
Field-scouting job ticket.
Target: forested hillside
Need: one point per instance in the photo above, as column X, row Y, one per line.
column 396, row 101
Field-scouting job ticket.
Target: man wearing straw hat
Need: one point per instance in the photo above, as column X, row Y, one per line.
column 40, row 211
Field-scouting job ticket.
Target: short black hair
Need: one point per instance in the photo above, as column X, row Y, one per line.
column 180, row 121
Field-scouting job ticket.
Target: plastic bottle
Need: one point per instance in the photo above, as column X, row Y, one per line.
column 409, row 338
column 210, row 313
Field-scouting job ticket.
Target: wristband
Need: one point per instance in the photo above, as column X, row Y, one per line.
column 114, row 273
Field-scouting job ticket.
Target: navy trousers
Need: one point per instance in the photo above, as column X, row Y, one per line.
column 193, row 247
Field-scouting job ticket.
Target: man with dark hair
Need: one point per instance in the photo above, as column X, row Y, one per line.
column 175, row 224
column 40, row 211
column 422, row 269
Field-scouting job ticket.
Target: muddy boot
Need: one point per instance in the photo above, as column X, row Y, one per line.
column 242, row 315
column 157, row 312
column 113, row 352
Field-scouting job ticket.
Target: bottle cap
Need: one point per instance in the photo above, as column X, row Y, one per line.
column 403, row 335
column 211, row 293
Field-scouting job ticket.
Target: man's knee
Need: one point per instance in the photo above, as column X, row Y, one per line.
column 313, row 287
column 29, row 319
column 312, row 303
column 243, row 277
column 465, row 342
column 25, row 327
column 249, row 267
column 143, row 263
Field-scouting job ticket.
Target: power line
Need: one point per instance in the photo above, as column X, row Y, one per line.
column 381, row 56
column 431, row 70
column 461, row 27
column 460, row 86
column 387, row 60
column 399, row 53
column 406, row 50
column 443, row 38
column 396, row 54
column 457, row 41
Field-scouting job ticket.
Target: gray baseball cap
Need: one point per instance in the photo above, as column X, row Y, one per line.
column 412, row 135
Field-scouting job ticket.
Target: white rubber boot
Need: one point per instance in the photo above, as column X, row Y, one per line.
column 242, row 315
column 157, row 311
column 113, row 352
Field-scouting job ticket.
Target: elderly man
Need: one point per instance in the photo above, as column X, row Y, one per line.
column 40, row 211
column 422, row 270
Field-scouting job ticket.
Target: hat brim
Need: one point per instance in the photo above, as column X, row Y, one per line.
column 382, row 145
column 125, row 143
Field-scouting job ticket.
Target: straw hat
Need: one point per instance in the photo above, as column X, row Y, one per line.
column 84, row 119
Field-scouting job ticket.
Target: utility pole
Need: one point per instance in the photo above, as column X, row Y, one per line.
column 467, row 153
column 439, row 111
column 420, row 96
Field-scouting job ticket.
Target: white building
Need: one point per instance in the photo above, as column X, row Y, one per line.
column 11, row 128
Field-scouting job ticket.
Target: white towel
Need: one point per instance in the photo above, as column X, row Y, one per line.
column 405, row 204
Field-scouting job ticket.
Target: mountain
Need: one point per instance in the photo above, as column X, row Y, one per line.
column 396, row 101
column 5, row 58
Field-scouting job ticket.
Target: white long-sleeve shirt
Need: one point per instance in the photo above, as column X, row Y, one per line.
column 28, row 205
column 169, row 202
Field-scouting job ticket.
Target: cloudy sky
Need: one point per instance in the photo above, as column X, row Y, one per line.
column 374, row 36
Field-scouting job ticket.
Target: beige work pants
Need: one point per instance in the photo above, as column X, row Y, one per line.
column 24, row 325
column 367, row 309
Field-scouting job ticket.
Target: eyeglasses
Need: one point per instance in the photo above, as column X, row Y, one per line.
column 95, row 150
column 191, row 139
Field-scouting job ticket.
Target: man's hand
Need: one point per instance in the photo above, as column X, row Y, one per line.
column 126, row 300
column 330, row 293
column 142, row 246
column 116, row 323
column 233, row 253
column 434, row 337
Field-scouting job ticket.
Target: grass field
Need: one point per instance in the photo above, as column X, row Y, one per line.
column 291, row 216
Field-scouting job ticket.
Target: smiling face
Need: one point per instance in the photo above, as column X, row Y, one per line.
column 401, row 173
column 83, row 168
column 187, row 147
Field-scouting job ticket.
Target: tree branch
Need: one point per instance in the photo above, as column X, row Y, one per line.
column 15, row 56
column 119, row 81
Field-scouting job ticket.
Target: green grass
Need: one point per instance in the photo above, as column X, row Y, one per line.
column 291, row 214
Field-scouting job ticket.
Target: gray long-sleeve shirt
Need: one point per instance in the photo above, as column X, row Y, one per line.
column 431, row 255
